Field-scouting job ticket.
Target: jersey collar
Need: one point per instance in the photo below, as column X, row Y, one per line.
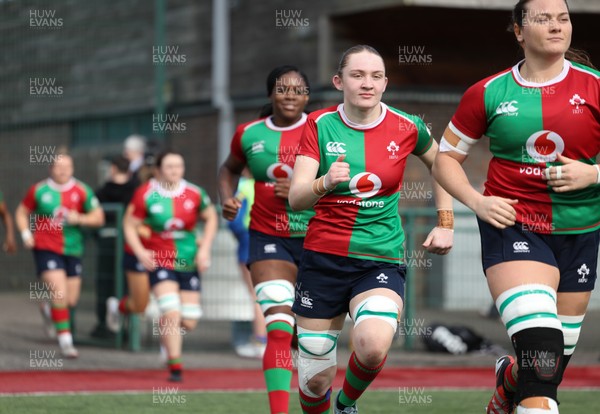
column 521, row 81
column 168, row 193
column 355, row 125
column 271, row 125
column 60, row 187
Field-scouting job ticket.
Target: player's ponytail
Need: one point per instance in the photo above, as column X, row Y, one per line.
column 574, row 55
column 272, row 78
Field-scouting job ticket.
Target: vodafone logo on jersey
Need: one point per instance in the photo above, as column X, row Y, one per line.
column 279, row 170
column 174, row 224
column 544, row 146
column 365, row 185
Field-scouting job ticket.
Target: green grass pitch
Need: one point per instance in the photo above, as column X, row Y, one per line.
column 405, row 401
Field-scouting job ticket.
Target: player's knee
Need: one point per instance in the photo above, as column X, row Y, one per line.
column 371, row 350
column 274, row 293
column 529, row 314
column 189, row 324
column 138, row 305
column 319, row 384
column 377, row 307
column 169, row 303
column 316, row 357
column 190, row 314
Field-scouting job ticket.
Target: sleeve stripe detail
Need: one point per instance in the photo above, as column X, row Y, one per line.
column 587, row 72
column 462, row 136
column 251, row 124
column 323, row 114
column 508, row 72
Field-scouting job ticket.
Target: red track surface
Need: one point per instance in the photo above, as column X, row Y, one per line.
column 211, row 379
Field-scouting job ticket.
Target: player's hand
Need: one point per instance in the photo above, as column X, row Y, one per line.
column 572, row 175
column 72, row 217
column 339, row 172
column 282, row 187
column 203, row 259
column 230, row 208
column 28, row 240
column 144, row 231
column 439, row 241
column 10, row 245
column 497, row 211
column 146, row 258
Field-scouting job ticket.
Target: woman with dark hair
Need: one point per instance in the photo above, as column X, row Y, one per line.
column 350, row 167
column 268, row 147
column 173, row 254
column 538, row 217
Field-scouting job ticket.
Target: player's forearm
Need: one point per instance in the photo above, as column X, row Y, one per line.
column 211, row 227
column 301, row 195
column 132, row 237
column 22, row 218
column 9, row 225
column 94, row 218
column 450, row 175
column 228, row 182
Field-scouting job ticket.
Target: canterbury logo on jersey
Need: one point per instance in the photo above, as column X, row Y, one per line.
column 521, row 247
column 335, row 148
column 508, row 108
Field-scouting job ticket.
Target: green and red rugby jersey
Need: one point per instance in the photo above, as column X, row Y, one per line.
column 49, row 204
column 528, row 125
column 172, row 216
column 270, row 153
column 360, row 218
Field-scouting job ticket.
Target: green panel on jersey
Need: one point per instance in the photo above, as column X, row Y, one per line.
column 374, row 241
column 512, row 120
column 577, row 207
column 185, row 249
column 160, row 210
column 258, row 139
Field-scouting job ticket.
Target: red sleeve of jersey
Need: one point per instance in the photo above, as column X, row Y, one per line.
column 236, row 144
column 470, row 117
column 139, row 203
column 309, row 142
column 29, row 200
